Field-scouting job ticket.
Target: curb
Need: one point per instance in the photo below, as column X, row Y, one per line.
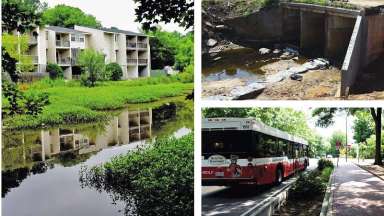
column 380, row 177
column 326, row 207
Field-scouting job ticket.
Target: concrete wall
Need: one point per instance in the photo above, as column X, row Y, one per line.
column 263, row 26
column 312, row 32
column 338, row 34
column 291, row 25
column 374, row 38
column 352, row 63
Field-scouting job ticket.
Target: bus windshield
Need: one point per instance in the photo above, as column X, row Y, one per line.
column 226, row 142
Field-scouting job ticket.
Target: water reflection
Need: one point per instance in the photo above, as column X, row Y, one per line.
column 56, row 154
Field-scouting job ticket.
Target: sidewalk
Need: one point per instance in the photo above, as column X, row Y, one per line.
column 356, row 192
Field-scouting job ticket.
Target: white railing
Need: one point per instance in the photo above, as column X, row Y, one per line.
column 62, row 43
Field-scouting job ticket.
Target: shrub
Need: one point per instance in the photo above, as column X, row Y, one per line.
column 55, row 71
column 157, row 180
column 323, row 163
column 14, row 97
column 114, row 70
column 29, row 102
column 308, row 185
column 35, row 101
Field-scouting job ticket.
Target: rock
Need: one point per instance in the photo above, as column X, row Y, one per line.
column 264, row 51
column 276, row 51
column 298, row 69
column 211, row 42
column 287, row 55
column 296, row 58
column 247, row 92
column 169, row 70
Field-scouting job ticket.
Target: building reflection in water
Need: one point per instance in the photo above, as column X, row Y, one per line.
column 20, row 149
column 129, row 126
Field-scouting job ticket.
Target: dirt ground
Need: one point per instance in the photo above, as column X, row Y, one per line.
column 317, row 84
column 301, row 207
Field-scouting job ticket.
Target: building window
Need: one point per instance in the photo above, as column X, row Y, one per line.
column 73, row 38
column 81, row 39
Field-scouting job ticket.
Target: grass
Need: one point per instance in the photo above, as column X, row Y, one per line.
column 328, row 3
column 71, row 103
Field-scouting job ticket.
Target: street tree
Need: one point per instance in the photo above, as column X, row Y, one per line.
column 151, row 13
column 326, row 118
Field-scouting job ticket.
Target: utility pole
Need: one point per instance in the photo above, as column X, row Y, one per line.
column 346, row 136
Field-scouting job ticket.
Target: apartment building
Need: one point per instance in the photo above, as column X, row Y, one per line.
column 53, row 44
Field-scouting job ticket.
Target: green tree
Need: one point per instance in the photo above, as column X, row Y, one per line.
column 21, row 15
column 17, row 47
column 337, row 136
column 326, row 115
column 150, row 13
column 93, row 65
column 171, row 48
column 67, row 16
column 363, row 126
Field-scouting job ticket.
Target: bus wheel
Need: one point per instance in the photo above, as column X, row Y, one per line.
column 279, row 176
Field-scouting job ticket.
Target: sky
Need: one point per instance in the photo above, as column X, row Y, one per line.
column 339, row 125
column 118, row 13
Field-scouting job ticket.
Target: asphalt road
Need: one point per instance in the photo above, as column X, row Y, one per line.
column 220, row 200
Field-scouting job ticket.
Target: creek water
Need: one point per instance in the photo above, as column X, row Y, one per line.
column 40, row 168
column 244, row 63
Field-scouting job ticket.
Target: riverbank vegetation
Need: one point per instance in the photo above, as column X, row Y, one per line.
column 157, row 180
column 72, row 103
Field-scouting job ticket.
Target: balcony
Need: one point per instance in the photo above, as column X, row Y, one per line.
column 62, row 43
column 64, row 61
column 131, row 61
column 143, row 61
column 141, row 45
column 131, row 45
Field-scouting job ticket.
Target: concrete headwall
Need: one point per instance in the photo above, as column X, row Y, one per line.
column 374, row 38
column 312, row 32
column 338, row 35
column 262, row 26
column 352, row 63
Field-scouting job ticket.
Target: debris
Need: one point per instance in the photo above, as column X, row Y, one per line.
column 296, row 77
column 291, row 50
column 315, row 64
column 217, row 58
column 211, row 42
column 298, row 69
column 264, row 51
column 276, row 51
